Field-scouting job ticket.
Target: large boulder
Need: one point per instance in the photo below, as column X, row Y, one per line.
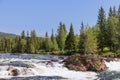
column 91, row 62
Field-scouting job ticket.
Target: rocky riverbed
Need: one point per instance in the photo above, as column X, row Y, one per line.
column 49, row 67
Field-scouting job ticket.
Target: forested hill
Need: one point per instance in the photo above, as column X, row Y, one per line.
column 7, row 35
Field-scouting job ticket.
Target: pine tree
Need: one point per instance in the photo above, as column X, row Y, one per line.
column 70, row 40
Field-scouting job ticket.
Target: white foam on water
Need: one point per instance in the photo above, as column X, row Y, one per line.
column 113, row 65
column 41, row 68
column 59, row 70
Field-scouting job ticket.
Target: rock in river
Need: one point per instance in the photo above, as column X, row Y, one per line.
column 91, row 62
column 14, row 72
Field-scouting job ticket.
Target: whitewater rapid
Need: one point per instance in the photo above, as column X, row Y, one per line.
column 31, row 65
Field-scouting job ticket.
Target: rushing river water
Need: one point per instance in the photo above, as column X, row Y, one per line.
column 49, row 67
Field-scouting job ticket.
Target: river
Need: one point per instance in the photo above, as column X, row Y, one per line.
column 49, row 67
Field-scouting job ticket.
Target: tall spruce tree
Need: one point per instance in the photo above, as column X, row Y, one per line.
column 28, row 43
column 70, row 40
column 23, row 34
column 102, row 26
column 114, row 12
column 82, row 40
column 52, row 35
column 110, row 12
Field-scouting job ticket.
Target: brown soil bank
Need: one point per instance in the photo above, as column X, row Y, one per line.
column 91, row 62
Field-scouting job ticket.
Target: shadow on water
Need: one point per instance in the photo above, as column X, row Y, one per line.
column 109, row 75
column 32, row 56
column 16, row 64
column 36, row 78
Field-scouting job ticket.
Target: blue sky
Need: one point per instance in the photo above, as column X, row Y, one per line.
column 43, row 15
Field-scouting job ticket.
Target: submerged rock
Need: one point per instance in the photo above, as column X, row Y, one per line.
column 90, row 62
column 50, row 63
column 14, row 72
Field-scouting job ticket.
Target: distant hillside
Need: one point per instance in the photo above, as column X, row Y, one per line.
column 7, row 35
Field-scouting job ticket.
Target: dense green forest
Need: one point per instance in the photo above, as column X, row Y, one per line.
column 101, row 38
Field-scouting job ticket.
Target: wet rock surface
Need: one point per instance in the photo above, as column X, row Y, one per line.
column 109, row 75
column 14, row 72
column 108, row 59
column 90, row 62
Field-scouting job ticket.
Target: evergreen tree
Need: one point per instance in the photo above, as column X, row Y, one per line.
column 64, row 27
column 23, row 34
column 17, row 48
column 114, row 23
column 114, row 12
column 109, row 33
column 48, row 43
column 110, row 12
column 2, row 45
column 61, row 37
column 33, row 42
column 27, row 43
column 54, row 42
column 70, row 40
column 23, row 45
column 82, row 40
column 102, row 25
column 76, row 42
column 118, row 15
column 52, row 35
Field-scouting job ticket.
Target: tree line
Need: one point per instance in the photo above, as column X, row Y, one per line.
column 105, row 35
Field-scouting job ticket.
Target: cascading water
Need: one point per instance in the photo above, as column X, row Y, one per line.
column 43, row 67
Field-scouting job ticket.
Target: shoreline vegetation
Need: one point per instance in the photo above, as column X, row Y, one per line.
column 103, row 38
